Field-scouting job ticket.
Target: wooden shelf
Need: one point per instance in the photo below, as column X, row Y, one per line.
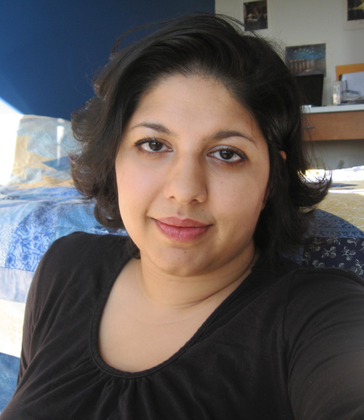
column 335, row 126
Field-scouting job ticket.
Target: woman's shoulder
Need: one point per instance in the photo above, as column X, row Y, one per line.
column 323, row 333
column 317, row 299
column 323, row 282
column 303, row 293
column 300, row 280
column 80, row 247
column 73, row 258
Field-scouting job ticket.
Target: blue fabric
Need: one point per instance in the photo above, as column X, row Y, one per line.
column 327, row 225
column 14, row 284
column 61, row 164
column 333, row 242
column 31, row 219
column 9, row 367
column 344, row 253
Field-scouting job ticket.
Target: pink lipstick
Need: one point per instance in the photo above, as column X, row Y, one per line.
column 185, row 230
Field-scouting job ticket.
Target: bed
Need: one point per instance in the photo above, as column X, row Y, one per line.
column 39, row 204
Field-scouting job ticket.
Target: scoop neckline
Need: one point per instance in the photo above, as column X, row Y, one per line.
column 96, row 320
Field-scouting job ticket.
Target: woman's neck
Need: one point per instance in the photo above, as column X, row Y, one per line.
column 168, row 291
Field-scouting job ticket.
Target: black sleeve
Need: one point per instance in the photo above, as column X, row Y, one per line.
column 43, row 292
column 34, row 306
column 27, row 332
column 324, row 333
column 70, row 257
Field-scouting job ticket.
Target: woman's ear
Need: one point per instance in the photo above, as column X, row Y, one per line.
column 283, row 154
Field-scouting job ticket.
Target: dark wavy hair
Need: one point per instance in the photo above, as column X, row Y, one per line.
column 254, row 74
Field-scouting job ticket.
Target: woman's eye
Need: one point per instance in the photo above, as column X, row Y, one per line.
column 151, row 146
column 156, row 146
column 229, row 155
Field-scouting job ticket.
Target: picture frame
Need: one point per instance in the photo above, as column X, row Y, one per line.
column 306, row 59
column 353, row 14
column 255, row 15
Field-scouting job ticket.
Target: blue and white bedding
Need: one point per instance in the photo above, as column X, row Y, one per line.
column 39, row 204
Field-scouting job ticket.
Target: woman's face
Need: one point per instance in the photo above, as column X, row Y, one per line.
column 192, row 173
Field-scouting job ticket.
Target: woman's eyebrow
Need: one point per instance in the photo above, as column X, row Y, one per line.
column 220, row 135
column 224, row 134
column 160, row 128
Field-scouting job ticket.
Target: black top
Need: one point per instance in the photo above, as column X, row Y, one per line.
column 288, row 345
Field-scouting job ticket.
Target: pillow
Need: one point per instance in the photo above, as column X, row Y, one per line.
column 333, row 242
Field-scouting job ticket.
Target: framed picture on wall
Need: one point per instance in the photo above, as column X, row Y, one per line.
column 354, row 14
column 306, row 59
column 255, row 15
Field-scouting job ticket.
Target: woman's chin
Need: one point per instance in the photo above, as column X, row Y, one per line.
column 178, row 262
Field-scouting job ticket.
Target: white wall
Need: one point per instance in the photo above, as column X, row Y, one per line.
column 299, row 22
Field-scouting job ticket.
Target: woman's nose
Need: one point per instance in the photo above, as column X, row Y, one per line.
column 186, row 182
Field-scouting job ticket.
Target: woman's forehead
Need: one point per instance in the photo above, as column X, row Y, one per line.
column 199, row 101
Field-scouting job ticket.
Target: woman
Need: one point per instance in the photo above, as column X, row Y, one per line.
column 193, row 143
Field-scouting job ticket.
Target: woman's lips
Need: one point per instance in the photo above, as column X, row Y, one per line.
column 185, row 230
